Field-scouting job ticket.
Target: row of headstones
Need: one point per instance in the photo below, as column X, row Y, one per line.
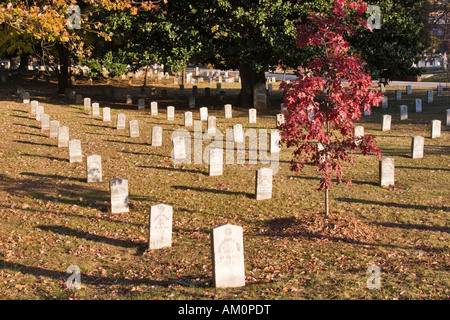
column 226, row 241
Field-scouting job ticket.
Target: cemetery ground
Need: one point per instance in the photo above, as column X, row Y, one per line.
column 52, row 218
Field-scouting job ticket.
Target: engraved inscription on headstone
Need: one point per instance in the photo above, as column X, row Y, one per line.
column 160, row 226
column 63, row 137
column 386, row 172
column 106, row 112
column 417, row 146
column 54, row 125
column 94, row 168
column 263, row 184
column 386, row 126
column 121, row 121
column 156, row 136
column 75, row 151
column 134, row 128
column 170, row 113
column 119, row 195
column 215, row 161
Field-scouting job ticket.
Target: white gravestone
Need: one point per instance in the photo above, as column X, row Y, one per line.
column 435, row 129
column 121, row 121
column 154, row 108
column 179, row 148
column 106, row 113
column 203, row 114
column 45, row 122
column 263, row 184
column 156, row 136
column 134, row 128
column 33, row 105
column 54, row 125
column 359, row 134
column 118, row 189
column 211, row 125
column 417, row 146
column 188, row 119
column 275, row 141
column 228, row 111
column 95, row 109
column 39, row 111
column 418, row 105
column 252, row 115
column 94, row 168
column 238, row 133
column 26, row 98
column 280, row 119
column 160, row 226
column 170, row 113
column 129, row 99
column 215, row 161
column 63, row 137
column 87, row 103
column 387, row 119
column 403, row 112
column 227, row 251
column 386, row 172
column 75, row 151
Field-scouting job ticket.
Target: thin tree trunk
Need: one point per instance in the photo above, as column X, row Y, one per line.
column 249, row 78
column 63, row 73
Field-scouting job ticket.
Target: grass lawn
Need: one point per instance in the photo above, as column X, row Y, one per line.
column 52, row 219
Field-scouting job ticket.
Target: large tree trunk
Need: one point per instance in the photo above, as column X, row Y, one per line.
column 249, row 79
column 23, row 67
column 63, row 73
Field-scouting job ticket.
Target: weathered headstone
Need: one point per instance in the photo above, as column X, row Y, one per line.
column 386, row 172
column 403, row 112
column 440, row 90
column 417, row 146
column 203, row 114
column 263, row 184
column 188, row 119
column 63, row 137
column 275, row 139
column 385, row 102
column 227, row 251
column 171, row 113
column 260, row 96
column 283, row 109
column 179, row 148
column 118, row 189
column 368, row 112
column 448, row 118
column 39, row 111
column 154, row 108
column 87, row 103
column 359, row 134
column 252, row 115
column 430, row 97
column 191, row 102
column 211, row 125
column 228, row 111
column 129, row 99
column 435, row 129
column 418, row 105
column 78, row 99
column 238, row 133
column 215, row 161
column 134, row 128
column 408, row 89
column 45, row 122
column 26, row 98
column 106, row 113
column 141, row 104
column 386, row 125
column 95, row 109
column 54, row 125
column 160, row 226
column 156, row 136
column 398, row 95
column 75, row 151
column 94, row 168
column 121, row 121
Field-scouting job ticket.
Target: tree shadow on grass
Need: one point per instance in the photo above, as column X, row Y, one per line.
column 422, row 168
column 413, row 226
column 393, row 204
column 47, row 157
column 98, row 126
column 51, row 176
column 277, row 228
column 65, row 231
column 335, row 180
column 26, row 126
column 35, row 143
column 145, row 154
column 32, row 134
column 238, row 193
column 175, row 169
column 129, row 142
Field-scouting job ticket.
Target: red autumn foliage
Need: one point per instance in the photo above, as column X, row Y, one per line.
column 333, row 92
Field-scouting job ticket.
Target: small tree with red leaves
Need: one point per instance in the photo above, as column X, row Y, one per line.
column 330, row 94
